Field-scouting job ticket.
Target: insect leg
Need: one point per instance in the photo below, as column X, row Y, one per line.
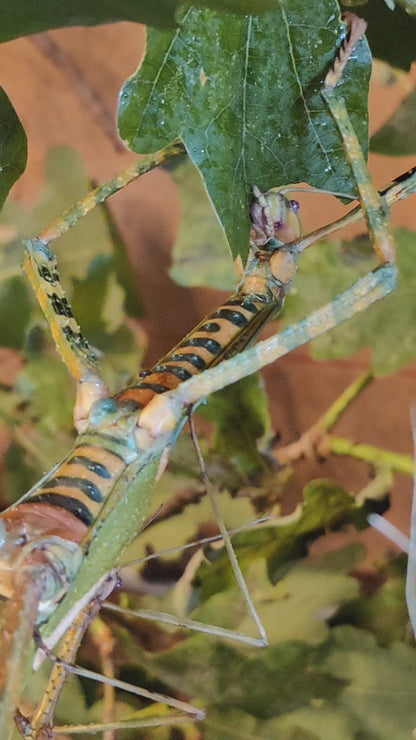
column 83, row 206
column 42, row 270
column 41, row 267
column 378, row 221
column 163, row 411
column 43, row 716
column 396, row 190
column 262, row 641
column 42, row 720
column 411, row 564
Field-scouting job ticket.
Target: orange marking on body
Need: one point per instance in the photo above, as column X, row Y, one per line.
column 43, row 520
column 143, row 396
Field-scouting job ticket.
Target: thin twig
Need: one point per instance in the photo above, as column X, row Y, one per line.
column 314, row 439
column 371, row 454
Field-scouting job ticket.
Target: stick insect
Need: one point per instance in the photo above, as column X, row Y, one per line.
column 61, row 542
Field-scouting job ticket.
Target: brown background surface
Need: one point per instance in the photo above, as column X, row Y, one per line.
column 64, row 87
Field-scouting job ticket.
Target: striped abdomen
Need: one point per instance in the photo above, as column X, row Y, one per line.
column 85, row 479
column 258, row 298
column 221, row 334
column 83, row 482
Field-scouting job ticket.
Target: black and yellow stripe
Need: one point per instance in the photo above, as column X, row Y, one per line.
column 83, row 482
column 231, row 327
column 220, row 335
column 42, row 270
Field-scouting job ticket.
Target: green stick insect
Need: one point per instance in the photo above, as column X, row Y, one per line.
column 60, row 545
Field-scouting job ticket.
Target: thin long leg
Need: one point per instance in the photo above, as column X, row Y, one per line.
column 41, row 268
column 83, row 206
column 396, row 190
column 411, row 564
column 262, row 642
column 165, row 618
column 378, row 222
column 41, row 723
column 163, row 411
column 43, row 716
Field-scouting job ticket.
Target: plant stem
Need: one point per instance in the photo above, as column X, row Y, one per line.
column 335, row 411
column 310, row 440
column 373, row 455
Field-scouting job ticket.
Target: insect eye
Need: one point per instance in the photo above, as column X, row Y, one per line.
column 294, row 206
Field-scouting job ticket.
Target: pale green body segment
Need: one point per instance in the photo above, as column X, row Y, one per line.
column 128, row 511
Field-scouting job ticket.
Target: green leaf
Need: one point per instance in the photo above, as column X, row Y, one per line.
column 263, row 684
column 244, row 96
column 240, row 414
column 379, row 683
column 105, row 324
column 132, row 304
column 91, row 291
column 242, row 7
column 346, row 687
column 200, row 253
column 300, row 604
column 39, row 413
column 92, row 256
column 294, row 614
column 383, row 611
column 65, row 183
column 328, row 268
column 398, row 135
column 13, row 146
column 326, row 506
column 331, row 725
column 391, row 33
column 19, row 474
column 44, row 384
column 21, row 17
column 13, row 292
